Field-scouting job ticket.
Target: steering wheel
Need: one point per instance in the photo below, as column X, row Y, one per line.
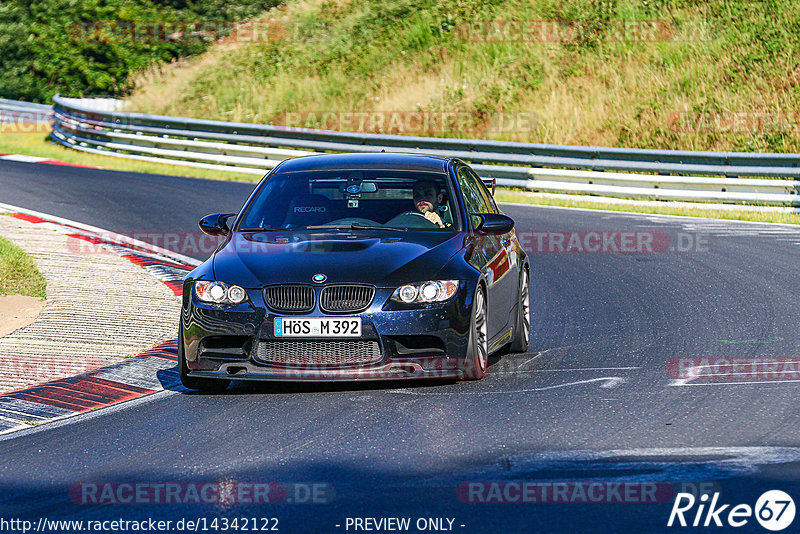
column 416, row 219
column 418, row 214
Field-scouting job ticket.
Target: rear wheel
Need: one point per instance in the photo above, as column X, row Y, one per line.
column 522, row 325
column 213, row 385
column 478, row 347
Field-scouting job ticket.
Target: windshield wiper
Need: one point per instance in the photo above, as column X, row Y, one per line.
column 261, row 229
column 368, row 227
column 353, row 227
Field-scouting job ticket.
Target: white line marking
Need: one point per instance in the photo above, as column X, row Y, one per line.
column 564, row 370
column 12, row 420
column 20, row 416
column 694, row 373
column 529, row 361
column 23, row 158
column 734, row 383
column 608, row 382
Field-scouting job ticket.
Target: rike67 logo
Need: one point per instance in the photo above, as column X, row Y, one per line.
column 774, row 510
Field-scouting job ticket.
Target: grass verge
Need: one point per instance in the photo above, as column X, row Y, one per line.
column 38, row 144
column 524, row 197
column 18, row 273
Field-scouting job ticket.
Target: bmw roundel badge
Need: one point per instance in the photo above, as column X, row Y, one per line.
column 319, row 278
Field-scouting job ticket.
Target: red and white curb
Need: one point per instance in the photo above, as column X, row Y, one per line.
column 152, row 371
column 110, row 239
column 36, row 159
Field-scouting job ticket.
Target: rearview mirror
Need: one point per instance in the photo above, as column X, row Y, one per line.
column 216, row 224
column 369, row 187
column 493, row 223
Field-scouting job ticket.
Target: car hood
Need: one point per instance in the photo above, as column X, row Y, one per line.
column 255, row 259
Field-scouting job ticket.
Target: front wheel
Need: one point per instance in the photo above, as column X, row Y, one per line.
column 212, row 385
column 477, row 359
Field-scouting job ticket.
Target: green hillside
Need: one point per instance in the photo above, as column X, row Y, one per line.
column 681, row 74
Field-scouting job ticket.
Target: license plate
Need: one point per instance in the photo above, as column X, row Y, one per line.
column 318, row 327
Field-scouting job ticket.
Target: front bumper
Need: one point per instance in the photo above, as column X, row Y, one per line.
column 388, row 371
column 222, row 343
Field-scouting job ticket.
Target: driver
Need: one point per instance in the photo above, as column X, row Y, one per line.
column 427, row 199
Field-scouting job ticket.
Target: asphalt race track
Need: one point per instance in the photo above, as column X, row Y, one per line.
column 595, row 399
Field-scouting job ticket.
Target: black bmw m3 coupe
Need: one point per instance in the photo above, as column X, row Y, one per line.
column 356, row 267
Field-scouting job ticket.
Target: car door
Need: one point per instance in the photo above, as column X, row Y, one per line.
column 508, row 266
column 487, row 253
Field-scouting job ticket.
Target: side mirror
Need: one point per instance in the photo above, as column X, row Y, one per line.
column 216, row 224
column 493, row 223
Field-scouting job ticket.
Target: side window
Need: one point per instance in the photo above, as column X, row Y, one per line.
column 473, row 197
column 487, row 196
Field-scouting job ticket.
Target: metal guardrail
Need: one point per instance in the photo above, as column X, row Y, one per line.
column 727, row 177
column 17, row 105
column 18, row 113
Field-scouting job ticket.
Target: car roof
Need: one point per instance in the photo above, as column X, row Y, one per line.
column 365, row 161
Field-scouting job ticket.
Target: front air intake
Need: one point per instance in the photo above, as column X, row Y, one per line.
column 318, row 353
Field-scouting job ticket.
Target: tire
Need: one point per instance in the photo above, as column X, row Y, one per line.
column 477, row 359
column 522, row 324
column 212, row 385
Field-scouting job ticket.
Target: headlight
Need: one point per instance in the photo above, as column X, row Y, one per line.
column 432, row 291
column 219, row 293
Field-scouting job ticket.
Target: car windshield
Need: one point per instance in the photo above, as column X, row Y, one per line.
column 353, row 200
